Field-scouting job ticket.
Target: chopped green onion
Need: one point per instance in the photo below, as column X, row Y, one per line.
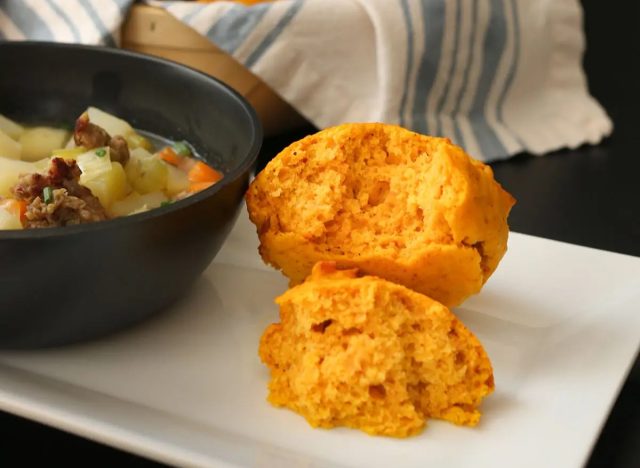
column 181, row 148
column 166, row 203
column 47, row 195
column 101, row 152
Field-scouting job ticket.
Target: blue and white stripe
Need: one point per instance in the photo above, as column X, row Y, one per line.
column 464, row 44
column 72, row 21
column 465, row 69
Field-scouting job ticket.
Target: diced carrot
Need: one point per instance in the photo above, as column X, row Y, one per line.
column 15, row 207
column 200, row 172
column 167, row 154
column 199, row 186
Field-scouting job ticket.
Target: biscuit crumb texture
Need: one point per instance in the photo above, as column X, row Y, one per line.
column 413, row 209
column 369, row 354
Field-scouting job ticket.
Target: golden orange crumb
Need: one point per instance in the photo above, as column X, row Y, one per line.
column 366, row 353
column 413, row 209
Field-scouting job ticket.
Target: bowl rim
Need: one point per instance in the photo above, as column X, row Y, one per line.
column 245, row 164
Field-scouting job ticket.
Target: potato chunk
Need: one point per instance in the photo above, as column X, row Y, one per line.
column 9, row 220
column 146, row 172
column 10, row 170
column 11, row 128
column 69, row 154
column 109, row 186
column 112, row 124
column 136, row 203
column 39, row 142
column 9, row 148
column 94, row 163
column 135, row 140
column 177, row 181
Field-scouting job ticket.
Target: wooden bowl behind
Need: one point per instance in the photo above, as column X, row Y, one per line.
column 154, row 31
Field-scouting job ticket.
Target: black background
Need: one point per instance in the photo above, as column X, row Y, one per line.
column 588, row 196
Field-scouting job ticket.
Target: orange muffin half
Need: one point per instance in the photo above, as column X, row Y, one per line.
column 414, row 209
column 366, row 353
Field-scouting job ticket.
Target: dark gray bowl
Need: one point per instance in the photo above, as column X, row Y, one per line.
column 64, row 285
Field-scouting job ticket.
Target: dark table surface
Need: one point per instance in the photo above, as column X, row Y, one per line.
column 588, row 196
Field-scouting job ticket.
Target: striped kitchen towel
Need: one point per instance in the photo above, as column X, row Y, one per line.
column 496, row 76
column 73, row 21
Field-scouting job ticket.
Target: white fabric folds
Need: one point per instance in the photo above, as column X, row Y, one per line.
column 496, row 76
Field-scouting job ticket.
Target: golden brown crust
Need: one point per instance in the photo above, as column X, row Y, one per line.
column 414, row 209
column 365, row 353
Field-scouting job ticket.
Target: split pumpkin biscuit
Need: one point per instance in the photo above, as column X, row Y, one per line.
column 414, row 209
column 366, row 353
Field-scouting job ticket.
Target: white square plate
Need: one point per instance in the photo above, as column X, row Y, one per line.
column 561, row 324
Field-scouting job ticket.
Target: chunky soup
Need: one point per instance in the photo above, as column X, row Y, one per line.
column 103, row 169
